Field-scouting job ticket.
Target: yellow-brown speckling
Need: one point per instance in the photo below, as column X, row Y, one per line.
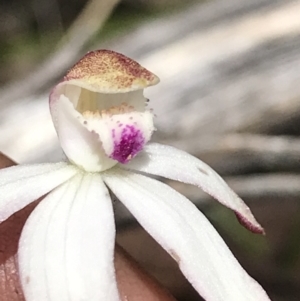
column 107, row 71
column 91, row 114
column 122, row 109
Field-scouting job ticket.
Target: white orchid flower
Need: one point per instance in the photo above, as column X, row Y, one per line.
column 67, row 245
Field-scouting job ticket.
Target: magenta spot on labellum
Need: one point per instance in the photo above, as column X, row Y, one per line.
column 131, row 142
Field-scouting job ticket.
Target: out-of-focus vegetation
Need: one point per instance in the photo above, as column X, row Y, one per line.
column 30, row 30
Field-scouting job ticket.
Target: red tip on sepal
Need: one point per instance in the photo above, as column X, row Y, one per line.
column 257, row 229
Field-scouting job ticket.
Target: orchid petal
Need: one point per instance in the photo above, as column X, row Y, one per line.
column 99, row 108
column 21, row 185
column 169, row 162
column 81, row 146
column 67, row 245
column 185, row 233
column 124, row 135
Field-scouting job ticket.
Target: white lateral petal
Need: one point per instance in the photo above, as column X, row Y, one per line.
column 169, row 162
column 185, row 233
column 67, row 245
column 81, row 146
column 21, row 185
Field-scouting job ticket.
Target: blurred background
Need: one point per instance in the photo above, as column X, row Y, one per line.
column 229, row 94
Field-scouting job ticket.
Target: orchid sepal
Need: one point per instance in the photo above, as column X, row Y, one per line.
column 169, row 162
